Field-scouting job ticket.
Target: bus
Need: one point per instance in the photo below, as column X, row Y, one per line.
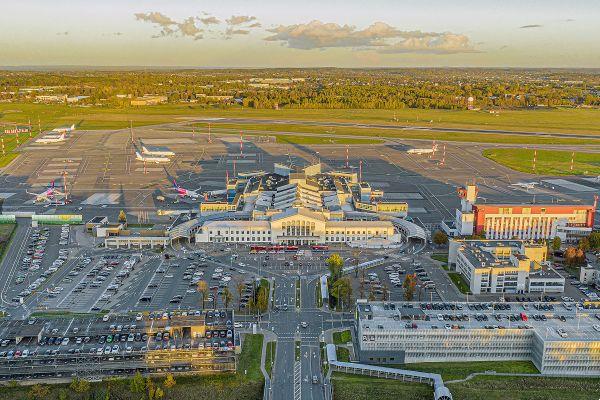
column 319, row 247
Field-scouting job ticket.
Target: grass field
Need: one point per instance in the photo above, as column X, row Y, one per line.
column 342, row 337
column 298, row 139
column 548, row 162
column 6, row 231
column 238, row 386
column 459, row 281
column 342, row 353
column 460, row 370
column 526, row 388
column 292, row 129
column 356, row 387
column 442, row 257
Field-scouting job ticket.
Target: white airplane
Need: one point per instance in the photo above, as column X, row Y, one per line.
column 49, row 195
column 52, row 138
column 64, row 129
column 181, row 192
column 152, row 159
column 525, row 185
column 431, row 150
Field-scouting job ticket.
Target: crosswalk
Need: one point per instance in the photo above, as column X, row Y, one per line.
column 297, row 380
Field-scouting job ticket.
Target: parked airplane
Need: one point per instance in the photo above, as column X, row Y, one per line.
column 64, row 129
column 153, row 159
column 525, row 185
column 431, row 150
column 52, row 138
column 49, row 195
column 182, row 192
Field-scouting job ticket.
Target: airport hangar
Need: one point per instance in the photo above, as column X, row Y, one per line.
column 300, row 206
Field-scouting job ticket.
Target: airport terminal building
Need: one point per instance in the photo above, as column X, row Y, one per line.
column 564, row 342
column 301, row 207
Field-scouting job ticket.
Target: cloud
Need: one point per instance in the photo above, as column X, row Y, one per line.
column 504, row 47
column 170, row 27
column 531, row 26
column 569, row 20
column 155, row 17
column 231, row 31
column 62, row 33
column 445, row 43
column 210, row 20
column 255, row 25
column 117, row 33
column 240, row 19
column 188, row 28
column 378, row 36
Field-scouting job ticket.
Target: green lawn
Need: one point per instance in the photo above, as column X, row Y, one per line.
column 342, row 353
column 292, row 129
column 270, row 356
column 249, row 360
column 356, row 387
column 342, row 337
column 6, row 231
column 460, row 370
column 297, row 350
column 526, row 388
column 549, row 162
column 459, row 281
column 442, row 257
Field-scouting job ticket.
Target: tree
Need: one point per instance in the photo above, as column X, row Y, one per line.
column 239, row 287
column 122, row 217
column 584, row 244
column 202, row 288
column 79, row 385
column 556, row 243
column 137, row 384
column 570, row 256
column 227, row 296
column 409, row 285
column 371, row 294
column 169, row 381
column 342, row 290
column 335, row 263
column 439, row 238
column 150, row 388
column 159, row 394
column 39, row 392
column 262, row 299
column 215, row 293
column 594, row 239
column 385, row 292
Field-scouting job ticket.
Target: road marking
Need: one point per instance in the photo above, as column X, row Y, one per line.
column 297, row 380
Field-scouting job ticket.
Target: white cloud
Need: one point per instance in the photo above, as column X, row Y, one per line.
column 231, row 31
column 444, row 43
column 378, row 36
column 211, row 20
column 170, row 27
column 240, row 19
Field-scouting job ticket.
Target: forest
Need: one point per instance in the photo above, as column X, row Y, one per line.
column 323, row 88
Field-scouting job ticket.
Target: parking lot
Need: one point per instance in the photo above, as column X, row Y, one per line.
column 73, row 346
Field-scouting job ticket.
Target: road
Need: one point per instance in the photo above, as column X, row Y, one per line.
column 292, row 378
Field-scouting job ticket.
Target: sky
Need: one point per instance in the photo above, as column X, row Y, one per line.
column 301, row 33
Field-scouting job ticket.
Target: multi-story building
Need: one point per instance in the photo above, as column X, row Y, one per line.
column 520, row 221
column 509, row 266
column 559, row 341
column 302, row 207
